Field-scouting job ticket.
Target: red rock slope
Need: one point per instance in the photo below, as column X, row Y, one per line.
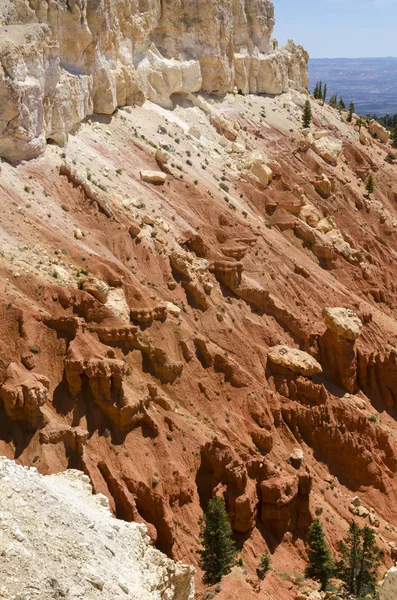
column 137, row 322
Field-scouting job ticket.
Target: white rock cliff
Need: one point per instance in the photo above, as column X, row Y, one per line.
column 63, row 60
column 58, row 540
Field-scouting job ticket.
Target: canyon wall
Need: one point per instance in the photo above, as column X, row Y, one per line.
column 63, row 60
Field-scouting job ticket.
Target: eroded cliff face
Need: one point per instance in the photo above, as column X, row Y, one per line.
column 201, row 301
column 63, row 60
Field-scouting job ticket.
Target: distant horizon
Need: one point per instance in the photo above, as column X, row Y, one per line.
column 369, row 82
column 351, row 57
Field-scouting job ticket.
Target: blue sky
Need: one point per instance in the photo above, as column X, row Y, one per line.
column 339, row 28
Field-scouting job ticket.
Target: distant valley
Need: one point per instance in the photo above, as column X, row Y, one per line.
column 371, row 83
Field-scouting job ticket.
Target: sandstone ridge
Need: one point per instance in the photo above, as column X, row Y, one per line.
column 63, row 61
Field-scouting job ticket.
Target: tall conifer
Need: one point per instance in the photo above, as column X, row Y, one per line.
column 370, row 187
column 218, row 552
column 351, row 111
column 307, row 114
column 321, row 565
column 324, row 93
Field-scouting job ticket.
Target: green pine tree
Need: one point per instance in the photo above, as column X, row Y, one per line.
column 264, row 565
column 369, row 563
column 218, row 552
column 321, row 565
column 359, row 122
column 349, row 564
column 360, row 561
column 318, row 90
column 333, row 102
column 307, row 114
column 350, row 114
column 341, row 105
column 324, row 93
column 370, row 187
column 393, row 136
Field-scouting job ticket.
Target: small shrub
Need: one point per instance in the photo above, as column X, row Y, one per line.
column 391, row 157
column 264, row 565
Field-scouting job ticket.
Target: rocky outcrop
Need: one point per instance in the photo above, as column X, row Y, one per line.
column 378, row 372
column 222, row 471
column 378, row 131
column 337, row 433
column 329, row 148
column 257, row 169
column 156, row 177
column 232, row 275
column 23, row 393
column 95, row 287
column 295, row 360
column 323, row 186
column 388, row 587
column 343, row 322
column 61, row 62
column 211, row 356
column 337, row 346
column 284, row 502
column 225, row 126
column 254, row 490
column 46, row 526
column 193, row 275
